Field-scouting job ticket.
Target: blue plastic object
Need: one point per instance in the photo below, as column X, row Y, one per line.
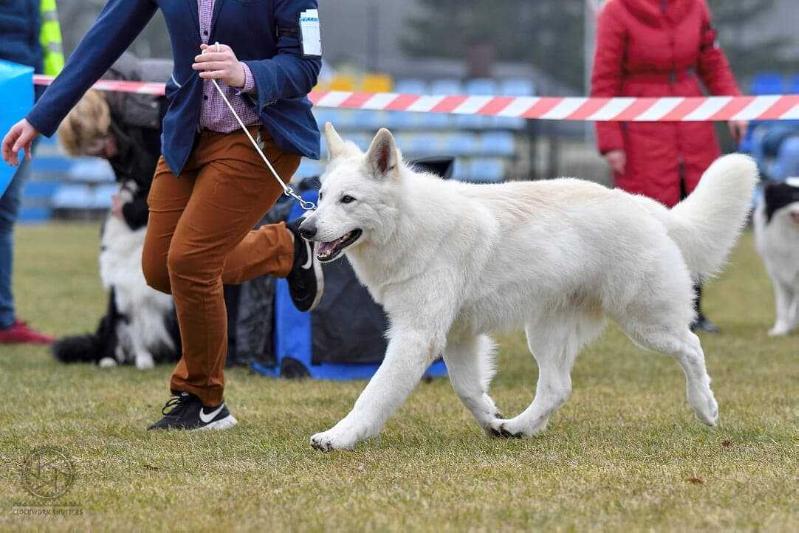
column 16, row 88
column 293, row 337
column 768, row 83
column 787, row 163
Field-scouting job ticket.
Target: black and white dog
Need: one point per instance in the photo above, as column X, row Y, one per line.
column 139, row 326
column 776, row 224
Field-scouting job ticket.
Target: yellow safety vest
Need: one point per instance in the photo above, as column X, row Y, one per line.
column 50, row 38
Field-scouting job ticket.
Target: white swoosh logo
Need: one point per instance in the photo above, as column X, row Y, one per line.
column 309, row 253
column 206, row 418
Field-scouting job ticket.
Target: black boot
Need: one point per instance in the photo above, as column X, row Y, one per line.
column 701, row 323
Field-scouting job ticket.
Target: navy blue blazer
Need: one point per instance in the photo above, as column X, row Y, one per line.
column 263, row 33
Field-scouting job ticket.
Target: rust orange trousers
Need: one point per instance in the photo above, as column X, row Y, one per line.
column 200, row 237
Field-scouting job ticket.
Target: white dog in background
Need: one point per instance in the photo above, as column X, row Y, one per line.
column 776, row 224
column 451, row 262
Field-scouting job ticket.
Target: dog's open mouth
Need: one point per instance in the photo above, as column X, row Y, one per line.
column 328, row 251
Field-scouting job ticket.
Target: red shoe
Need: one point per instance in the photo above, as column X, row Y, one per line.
column 20, row 333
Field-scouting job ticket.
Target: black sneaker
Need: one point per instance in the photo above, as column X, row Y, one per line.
column 185, row 411
column 306, row 281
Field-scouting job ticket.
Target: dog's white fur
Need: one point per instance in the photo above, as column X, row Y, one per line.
column 145, row 308
column 451, row 262
column 778, row 245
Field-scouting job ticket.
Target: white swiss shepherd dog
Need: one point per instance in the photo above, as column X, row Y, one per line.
column 451, row 262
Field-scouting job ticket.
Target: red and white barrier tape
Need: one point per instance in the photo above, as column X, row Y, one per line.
column 668, row 109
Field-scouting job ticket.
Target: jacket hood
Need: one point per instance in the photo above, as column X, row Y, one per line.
column 651, row 12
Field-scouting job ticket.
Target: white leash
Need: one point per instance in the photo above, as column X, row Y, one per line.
column 287, row 189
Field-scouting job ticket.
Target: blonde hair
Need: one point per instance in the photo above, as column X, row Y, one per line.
column 88, row 121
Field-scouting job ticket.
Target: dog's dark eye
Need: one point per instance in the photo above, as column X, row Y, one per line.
column 320, row 196
column 347, row 199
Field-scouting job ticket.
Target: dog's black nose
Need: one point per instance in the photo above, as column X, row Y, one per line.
column 308, row 229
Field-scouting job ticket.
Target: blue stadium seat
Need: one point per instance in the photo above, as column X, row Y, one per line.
column 73, row 196
column 446, row 87
column 50, row 164
column 516, row 87
column 39, row 190
column 398, row 120
column 35, row 215
column 497, row 143
column 472, row 122
column 460, row 144
column 787, row 163
column 101, row 196
column 419, row 144
column 482, row 87
column 793, row 84
column 435, row 121
column 768, row 83
column 488, row 170
column 410, row 86
column 309, row 168
column 90, row 169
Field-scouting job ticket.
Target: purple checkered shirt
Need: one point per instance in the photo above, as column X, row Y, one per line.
column 215, row 115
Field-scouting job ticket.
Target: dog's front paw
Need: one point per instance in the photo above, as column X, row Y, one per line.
column 778, row 330
column 334, row 439
column 145, row 362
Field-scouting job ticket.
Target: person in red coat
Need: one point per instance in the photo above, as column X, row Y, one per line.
column 655, row 48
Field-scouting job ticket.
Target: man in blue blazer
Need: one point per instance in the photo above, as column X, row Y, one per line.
column 210, row 186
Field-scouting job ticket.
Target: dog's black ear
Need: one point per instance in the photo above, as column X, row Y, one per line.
column 383, row 157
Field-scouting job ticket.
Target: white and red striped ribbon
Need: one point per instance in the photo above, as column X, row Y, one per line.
column 668, row 109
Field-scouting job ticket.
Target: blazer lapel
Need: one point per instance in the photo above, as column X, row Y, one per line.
column 217, row 8
column 194, row 9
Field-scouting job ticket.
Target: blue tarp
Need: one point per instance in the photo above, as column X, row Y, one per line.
column 16, row 92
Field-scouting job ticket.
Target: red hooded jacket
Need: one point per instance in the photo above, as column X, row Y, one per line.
column 654, row 48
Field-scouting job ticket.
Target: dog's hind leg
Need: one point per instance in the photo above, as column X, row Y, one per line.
column 680, row 342
column 554, row 343
column 786, row 304
column 470, row 367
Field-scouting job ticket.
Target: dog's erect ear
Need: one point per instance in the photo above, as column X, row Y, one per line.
column 383, row 156
column 335, row 144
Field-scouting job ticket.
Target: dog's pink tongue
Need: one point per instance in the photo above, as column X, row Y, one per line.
column 324, row 248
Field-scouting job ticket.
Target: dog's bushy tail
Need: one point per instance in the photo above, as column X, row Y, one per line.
column 78, row 349
column 706, row 225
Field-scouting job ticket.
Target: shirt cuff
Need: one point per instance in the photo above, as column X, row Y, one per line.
column 249, row 80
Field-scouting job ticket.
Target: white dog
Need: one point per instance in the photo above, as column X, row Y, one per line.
column 451, row 262
column 776, row 223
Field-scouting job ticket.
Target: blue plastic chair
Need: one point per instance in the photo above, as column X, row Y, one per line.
column 446, row 87
column 460, row 144
column 482, row 87
column 73, row 196
column 497, row 143
column 410, row 86
column 516, row 87
column 787, row 162
column 487, row 170
column 768, row 83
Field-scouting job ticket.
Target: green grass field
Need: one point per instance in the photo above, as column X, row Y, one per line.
column 625, row 451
